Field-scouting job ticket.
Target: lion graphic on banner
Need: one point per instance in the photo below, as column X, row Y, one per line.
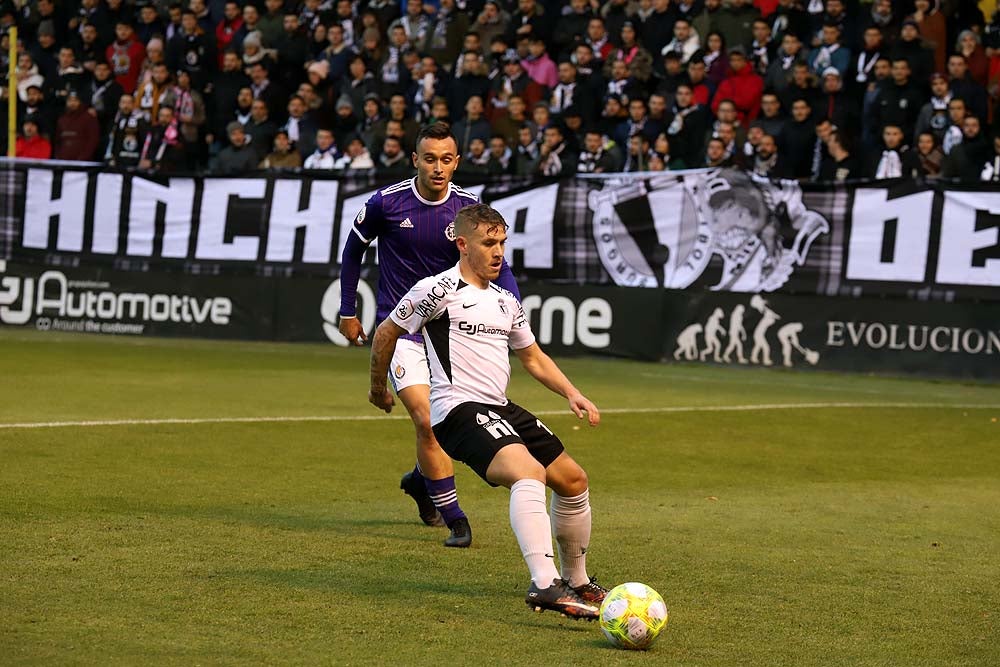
column 663, row 231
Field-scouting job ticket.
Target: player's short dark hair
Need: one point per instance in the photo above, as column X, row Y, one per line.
column 470, row 217
column 438, row 130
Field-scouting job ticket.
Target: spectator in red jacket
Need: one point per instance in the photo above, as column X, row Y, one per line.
column 126, row 55
column 230, row 30
column 512, row 83
column 77, row 131
column 31, row 144
column 742, row 85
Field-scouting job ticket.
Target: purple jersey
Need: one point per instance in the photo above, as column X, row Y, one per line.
column 416, row 239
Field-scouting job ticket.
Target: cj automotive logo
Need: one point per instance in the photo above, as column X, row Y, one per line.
column 54, row 302
column 701, row 342
column 664, row 231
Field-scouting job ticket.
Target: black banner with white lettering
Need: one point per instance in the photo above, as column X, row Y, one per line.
column 128, row 303
column 833, row 333
column 767, row 330
column 723, row 231
column 790, row 331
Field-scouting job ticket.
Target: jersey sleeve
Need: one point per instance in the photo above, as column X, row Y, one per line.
column 520, row 331
column 424, row 302
column 367, row 225
column 370, row 220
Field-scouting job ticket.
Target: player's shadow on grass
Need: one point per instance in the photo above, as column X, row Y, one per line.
column 263, row 517
column 532, row 621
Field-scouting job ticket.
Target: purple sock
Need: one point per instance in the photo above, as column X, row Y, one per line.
column 418, row 475
column 445, row 497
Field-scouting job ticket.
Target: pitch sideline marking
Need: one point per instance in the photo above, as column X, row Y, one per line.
column 543, row 413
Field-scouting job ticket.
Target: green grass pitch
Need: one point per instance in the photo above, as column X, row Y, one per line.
column 827, row 535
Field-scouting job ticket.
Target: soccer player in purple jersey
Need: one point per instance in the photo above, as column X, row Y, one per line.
column 414, row 223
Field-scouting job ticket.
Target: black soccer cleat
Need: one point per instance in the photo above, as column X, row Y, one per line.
column 561, row 598
column 591, row 592
column 461, row 534
column 414, row 487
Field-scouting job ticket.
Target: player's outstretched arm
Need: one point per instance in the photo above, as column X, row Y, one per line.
column 383, row 345
column 542, row 368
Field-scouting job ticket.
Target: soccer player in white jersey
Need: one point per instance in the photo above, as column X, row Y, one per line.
column 413, row 222
column 469, row 323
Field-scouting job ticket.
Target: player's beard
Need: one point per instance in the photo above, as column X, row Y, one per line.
column 436, row 186
column 428, row 188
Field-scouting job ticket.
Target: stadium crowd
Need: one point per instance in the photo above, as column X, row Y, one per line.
column 806, row 89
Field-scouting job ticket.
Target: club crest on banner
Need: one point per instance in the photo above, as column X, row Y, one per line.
column 663, row 231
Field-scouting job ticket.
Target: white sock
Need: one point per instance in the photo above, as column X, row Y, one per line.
column 571, row 525
column 533, row 530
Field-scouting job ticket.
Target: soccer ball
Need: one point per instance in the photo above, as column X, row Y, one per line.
column 632, row 615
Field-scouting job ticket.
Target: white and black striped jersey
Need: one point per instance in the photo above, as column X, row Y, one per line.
column 467, row 332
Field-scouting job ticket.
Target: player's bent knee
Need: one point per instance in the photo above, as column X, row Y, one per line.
column 575, row 483
column 566, row 477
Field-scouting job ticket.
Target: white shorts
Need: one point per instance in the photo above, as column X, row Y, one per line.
column 409, row 365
